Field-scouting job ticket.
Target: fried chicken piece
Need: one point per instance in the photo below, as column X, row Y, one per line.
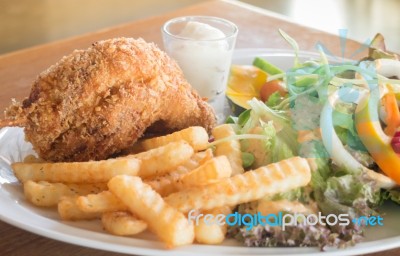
column 97, row 102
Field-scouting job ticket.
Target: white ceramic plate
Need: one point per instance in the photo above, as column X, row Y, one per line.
column 16, row 211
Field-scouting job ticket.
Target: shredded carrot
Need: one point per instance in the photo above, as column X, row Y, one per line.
column 393, row 113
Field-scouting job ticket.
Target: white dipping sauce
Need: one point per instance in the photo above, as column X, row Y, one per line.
column 204, row 59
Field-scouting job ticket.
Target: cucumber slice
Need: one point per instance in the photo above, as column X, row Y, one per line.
column 266, row 66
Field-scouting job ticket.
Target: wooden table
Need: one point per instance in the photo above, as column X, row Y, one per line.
column 258, row 29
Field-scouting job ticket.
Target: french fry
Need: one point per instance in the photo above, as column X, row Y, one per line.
column 211, row 171
column 76, row 172
column 170, row 182
column 230, row 149
column 99, row 203
column 249, row 186
column 122, row 223
column 211, row 233
column 48, row 194
column 69, row 210
column 200, row 158
column 164, row 159
column 196, row 136
column 168, row 223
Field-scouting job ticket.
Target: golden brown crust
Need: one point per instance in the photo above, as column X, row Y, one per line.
column 14, row 115
column 96, row 102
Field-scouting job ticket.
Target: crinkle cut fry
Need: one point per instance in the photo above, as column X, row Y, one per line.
column 230, row 149
column 122, row 223
column 76, row 172
column 168, row 223
column 196, row 136
column 48, row 194
column 249, row 186
column 170, row 182
column 211, row 233
column 164, row 159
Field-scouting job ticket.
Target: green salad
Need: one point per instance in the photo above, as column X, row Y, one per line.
column 343, row 116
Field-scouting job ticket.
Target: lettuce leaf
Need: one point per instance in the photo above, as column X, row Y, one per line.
column 259, row 149
column 343, row 121
column 280, row 150
column 300, row 194
column 280, row 139
column 295, row 236
column 282, row 123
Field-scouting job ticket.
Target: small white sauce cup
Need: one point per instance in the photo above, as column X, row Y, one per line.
column 204, row 59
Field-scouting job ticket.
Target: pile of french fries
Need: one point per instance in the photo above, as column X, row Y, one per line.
column 156, row 188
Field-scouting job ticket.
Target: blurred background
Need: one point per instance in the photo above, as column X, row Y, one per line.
column 25, row 23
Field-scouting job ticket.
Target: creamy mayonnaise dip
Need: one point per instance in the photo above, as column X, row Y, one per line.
column 204, row 55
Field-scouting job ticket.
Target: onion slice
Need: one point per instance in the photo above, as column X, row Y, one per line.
column 335, row 147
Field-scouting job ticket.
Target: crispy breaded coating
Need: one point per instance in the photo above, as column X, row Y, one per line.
column 96, row 102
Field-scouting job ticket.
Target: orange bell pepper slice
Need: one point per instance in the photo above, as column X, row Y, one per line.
column 374, row 138
column 393, row 113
